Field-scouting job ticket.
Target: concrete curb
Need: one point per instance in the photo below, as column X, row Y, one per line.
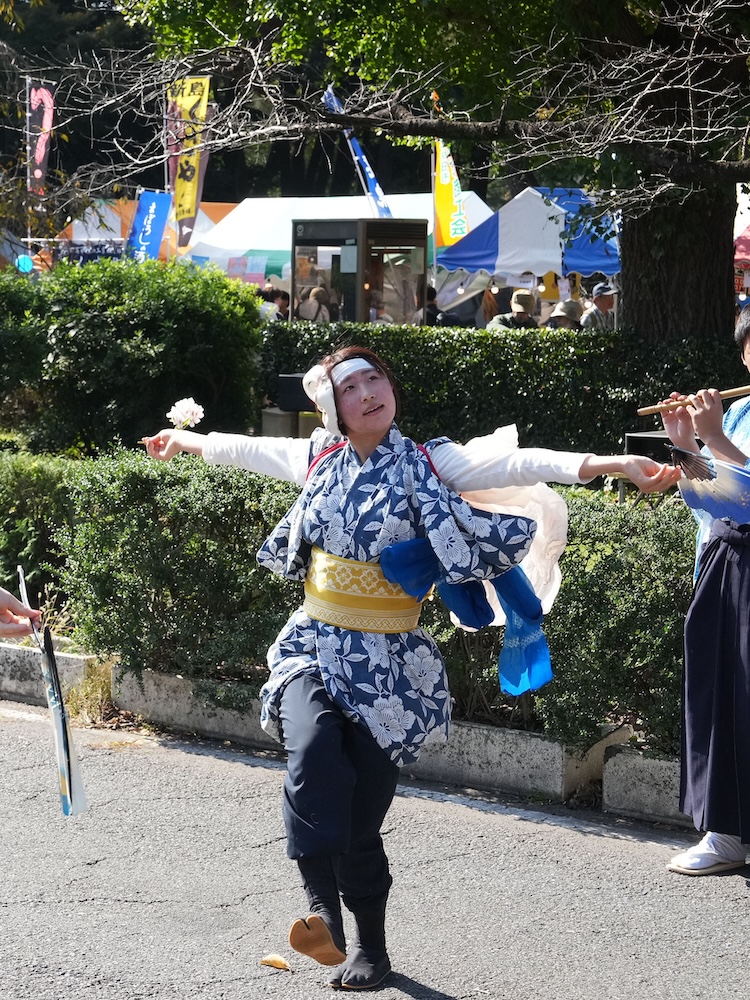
column 21, row 672
column 642, row 787
column 476, row 756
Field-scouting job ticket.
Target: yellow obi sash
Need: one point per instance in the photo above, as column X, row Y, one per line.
column 357, row 596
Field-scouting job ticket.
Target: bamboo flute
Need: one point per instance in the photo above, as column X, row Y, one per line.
column 675, row 404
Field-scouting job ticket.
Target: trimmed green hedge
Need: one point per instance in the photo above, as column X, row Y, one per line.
column 96, row 355
column 160, row 565
column 159, row 568
column 570, row 390
column 35, row 504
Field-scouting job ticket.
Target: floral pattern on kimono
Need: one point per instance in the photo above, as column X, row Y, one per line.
column 395, row 684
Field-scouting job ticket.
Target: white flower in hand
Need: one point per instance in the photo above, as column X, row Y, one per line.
column 185, row 413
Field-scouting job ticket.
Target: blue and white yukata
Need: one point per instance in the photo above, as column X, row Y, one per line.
column 387, row 693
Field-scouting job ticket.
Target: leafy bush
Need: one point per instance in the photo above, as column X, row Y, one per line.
column 564, row 389
column 161, row 565
column 34, row 506
column 24, row 346
column 615, row 631
column 124, row 340
column 161, row 570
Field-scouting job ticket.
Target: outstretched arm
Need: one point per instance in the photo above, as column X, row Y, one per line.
column 649, row 476
column 282, row 458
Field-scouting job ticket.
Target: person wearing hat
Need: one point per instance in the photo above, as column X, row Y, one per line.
column 521, row 315
column 600, row 314
column 566, row 315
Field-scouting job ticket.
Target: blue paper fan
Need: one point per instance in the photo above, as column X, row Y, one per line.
column 719, row 488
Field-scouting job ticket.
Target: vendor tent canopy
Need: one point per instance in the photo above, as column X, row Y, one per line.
column 256, row 238
column 529, row 234
column 108, row 221
column 586, row 251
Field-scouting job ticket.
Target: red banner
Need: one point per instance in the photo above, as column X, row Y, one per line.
column 40, row 115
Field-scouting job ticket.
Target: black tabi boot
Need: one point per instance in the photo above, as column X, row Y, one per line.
column 320, row 935
column 367, row 963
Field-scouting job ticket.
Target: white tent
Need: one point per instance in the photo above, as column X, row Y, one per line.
column 256, row 238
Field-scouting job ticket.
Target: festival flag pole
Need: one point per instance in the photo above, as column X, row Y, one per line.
column 28, row 161
column 364, row 171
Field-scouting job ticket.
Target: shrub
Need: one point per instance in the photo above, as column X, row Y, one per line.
column 571, row 390
column 34, row 506
column 161, row 571
column 126, row 339
column 615, row 631
column 24, row 346
column 161, row 565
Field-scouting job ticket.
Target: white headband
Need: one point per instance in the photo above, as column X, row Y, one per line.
column 319, row 388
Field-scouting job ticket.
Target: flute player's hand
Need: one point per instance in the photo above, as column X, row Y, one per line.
column 706, row 410
column 678, row 424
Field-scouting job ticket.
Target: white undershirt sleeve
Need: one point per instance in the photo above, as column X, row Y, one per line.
column 282, row 458
column 495, row 460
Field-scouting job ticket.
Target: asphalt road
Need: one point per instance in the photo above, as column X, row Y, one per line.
column 175, row 883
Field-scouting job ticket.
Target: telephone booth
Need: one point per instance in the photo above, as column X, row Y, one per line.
column 372, row 270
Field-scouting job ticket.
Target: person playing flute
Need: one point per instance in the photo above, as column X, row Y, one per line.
column 715, row 752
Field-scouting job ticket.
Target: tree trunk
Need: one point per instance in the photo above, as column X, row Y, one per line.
column 678, row 269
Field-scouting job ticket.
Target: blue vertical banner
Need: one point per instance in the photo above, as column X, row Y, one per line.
column 362, row 165
column 144, row 240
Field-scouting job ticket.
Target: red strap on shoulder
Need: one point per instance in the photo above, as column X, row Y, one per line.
column 326, row 451
column 426, row 454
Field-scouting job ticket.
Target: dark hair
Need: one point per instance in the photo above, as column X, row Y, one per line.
column 330, row 361
column 742, row 328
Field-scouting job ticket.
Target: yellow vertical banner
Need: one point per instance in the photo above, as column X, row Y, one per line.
column 451, row 223
column 186, row 120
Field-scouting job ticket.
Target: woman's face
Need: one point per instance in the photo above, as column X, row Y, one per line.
column 366, row 404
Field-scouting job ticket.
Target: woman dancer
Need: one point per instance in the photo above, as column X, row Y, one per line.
column 356, row 688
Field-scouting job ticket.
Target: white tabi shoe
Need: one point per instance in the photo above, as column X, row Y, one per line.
column 717, row 852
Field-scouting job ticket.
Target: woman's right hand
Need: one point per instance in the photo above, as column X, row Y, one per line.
column 679, row 425
column 170, row 442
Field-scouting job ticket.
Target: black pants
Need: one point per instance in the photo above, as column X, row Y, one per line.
column 338, row 788
column 715, row 785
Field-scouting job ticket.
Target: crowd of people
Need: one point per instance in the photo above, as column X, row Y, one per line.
column 506, row 308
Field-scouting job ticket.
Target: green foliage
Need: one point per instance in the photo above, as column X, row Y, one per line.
column 571, row 390
column 23, row 343
column 161, row 565
column 615, row 630
column 124, row 340
column 161, row 572
column 373, row 41
column 34, row 506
